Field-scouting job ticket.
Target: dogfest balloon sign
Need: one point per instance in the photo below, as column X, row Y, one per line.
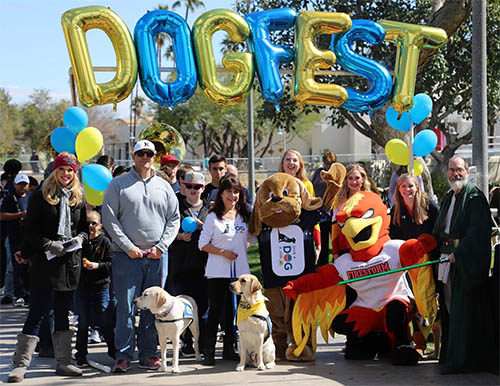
column 195, row 62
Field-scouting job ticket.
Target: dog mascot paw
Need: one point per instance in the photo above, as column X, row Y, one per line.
column 378, row 319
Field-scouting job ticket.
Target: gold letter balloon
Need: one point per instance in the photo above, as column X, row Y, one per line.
column 409, row 38
column 240, row 63
column 76, row 23
column 308, row 58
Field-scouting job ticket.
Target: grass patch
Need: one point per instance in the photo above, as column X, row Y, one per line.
column 254, row 261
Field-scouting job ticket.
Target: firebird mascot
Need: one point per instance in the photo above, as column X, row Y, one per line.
column 377, row 322
column 283, row 218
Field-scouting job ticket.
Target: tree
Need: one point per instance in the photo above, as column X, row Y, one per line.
column 40, row 116
column 9, row 122
column 445, row 74
column 221, row 130
column 191, row 5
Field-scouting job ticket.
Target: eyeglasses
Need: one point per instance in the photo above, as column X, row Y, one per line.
column 195, row 187
column 141, row 153
column 457, row 170
column 93, row 223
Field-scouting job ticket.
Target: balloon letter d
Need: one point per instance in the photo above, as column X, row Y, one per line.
column 75, row 23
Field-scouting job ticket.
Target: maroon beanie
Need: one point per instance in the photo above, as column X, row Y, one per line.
column 65, row 160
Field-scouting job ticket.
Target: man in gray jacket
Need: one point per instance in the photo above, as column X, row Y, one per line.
column 140, row 212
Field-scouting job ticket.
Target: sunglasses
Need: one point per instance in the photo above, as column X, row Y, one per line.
column 93, row 223
column 141, row 153
column 195, row 187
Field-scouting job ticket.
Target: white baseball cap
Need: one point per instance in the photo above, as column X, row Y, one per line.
column 21, row 178
column 144, row 145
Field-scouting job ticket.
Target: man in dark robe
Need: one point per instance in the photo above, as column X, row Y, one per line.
column 463, row 232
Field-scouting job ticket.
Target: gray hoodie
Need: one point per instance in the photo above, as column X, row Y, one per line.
column 142, row 213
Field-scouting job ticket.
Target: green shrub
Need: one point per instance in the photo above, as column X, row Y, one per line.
column 440, row 185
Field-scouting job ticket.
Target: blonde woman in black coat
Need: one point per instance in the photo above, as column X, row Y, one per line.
column 55, row 222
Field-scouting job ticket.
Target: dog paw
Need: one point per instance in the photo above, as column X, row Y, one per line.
column 270, row 365
column 198, row 358
column 162, row 369
column 240, row 368
column 175, row 370
column 261, row 367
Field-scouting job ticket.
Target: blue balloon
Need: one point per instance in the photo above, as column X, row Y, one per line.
column 402, row 124
column 96, row 176
column 380, row 78
column 269, row 57
column 422, row 107
column 63, row 140
column 76, row 119
column 189, row 224
column 424, row 143
column 146, row 29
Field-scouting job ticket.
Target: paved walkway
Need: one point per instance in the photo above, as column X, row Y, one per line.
column 330, row 368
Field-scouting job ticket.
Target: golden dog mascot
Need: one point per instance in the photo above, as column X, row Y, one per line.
column 283, row 218
column 377, row 322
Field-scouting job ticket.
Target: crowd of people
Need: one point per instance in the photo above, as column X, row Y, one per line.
column 63, row 256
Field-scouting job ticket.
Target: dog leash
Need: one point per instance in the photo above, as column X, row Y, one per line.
column 235, row 305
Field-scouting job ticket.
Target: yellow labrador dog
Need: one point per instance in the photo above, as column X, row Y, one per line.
column 173, row 315
column 254, row 324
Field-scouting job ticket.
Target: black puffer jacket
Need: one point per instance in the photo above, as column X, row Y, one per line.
column 186, row 257
column 40, row 226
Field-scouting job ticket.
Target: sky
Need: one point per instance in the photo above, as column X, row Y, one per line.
column 34, row 52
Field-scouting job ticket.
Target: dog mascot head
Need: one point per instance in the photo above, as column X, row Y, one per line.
column 279, row 202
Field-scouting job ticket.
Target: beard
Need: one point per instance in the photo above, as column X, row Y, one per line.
column 458, row 183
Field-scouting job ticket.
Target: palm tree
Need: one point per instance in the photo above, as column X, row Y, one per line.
column 191, row 5
column 160, row 38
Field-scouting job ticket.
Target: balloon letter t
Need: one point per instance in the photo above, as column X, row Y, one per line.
column 409, row 38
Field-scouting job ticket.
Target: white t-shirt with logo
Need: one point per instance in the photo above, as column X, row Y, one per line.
column 230, row 235
column 378, row 291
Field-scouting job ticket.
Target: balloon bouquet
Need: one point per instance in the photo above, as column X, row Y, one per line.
column 84, row 142
column 421, row 144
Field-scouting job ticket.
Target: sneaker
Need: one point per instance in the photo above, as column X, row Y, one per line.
column 187, row 351
column 81, row 362
column 19, row 302
column 152, row 363
column 94, row 337
column 6, row 300
column 121, row 366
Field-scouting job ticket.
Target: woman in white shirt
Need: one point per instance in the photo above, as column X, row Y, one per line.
column 224, row 237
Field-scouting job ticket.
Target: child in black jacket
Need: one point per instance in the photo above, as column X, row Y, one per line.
column 92, row 295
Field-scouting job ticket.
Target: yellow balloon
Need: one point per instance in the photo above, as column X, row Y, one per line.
column 397, row 151
column 409, row 38
column 76, row 22
column 88, row 143
column 309, row 58
column 240, row 63
column 93, row 197
column 418, row 168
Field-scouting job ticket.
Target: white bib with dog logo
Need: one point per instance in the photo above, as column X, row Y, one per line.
column 287, row 251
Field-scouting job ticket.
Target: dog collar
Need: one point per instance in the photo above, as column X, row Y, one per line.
column 165, row 313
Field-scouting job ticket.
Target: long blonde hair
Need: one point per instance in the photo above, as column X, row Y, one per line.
column 343, row 193
column 50, row 189
column 420, row 211
column 301, row 173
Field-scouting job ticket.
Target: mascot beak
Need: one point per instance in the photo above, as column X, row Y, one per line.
column 362, row 233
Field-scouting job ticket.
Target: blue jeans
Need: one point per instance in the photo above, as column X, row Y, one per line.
column 92, row 307
column 130, row 278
